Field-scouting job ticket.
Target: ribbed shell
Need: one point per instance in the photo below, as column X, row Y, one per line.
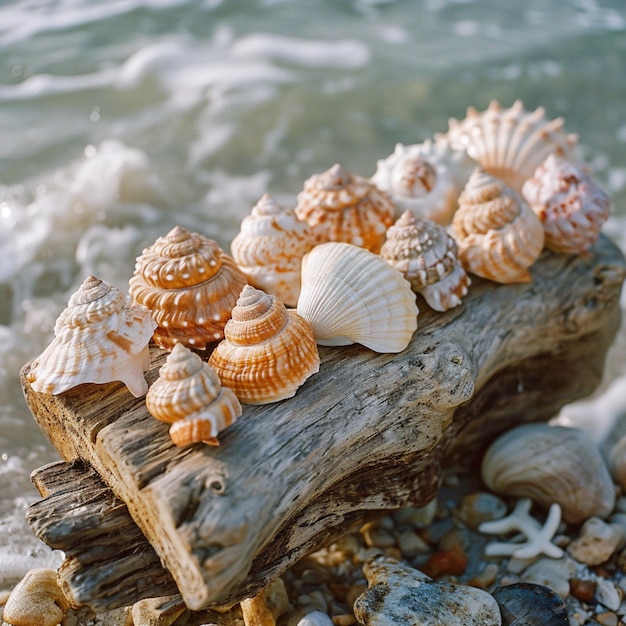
column 425, row 179
column 570, row 205
column 97, row 339
column 510, row 143
column 340, row 206
column 269, row 249
column 426, row 255
column 190, row 284
column 350, row 295
column 189, row 396
column 498, row 234
column 267, row 351
column 551, row 464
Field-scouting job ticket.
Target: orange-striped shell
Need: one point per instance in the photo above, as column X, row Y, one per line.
column 267, row 352
column 189, row 396
column 340, row 206
column 190, row 285
column 498, row 234
column 570, row 205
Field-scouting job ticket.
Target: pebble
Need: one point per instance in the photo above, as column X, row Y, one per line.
column 377, row 536
column 582, row 589
column 596, row 542
column 316, row 618
column 158, row 611
column 607, row 594
column 553, row 573
column 411, row 544
column 530, row 605
column 607, row 618
column 417, row 517
column 479, row 507
column 446, row 562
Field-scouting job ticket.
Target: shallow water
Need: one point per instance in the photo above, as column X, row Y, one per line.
column 120, row 119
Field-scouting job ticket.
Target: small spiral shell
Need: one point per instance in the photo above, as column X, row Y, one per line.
column 190, row 285
column 189, row 396
column 340, row 206
column 267, row 352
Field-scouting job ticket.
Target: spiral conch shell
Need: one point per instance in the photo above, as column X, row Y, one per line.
column 350, row 295
column 188, row 395
column 426, row 255
column 340, row 206
column 498, row 234
column 97, row 339
column 570, row 205
column 551, row 464
column 510, row 143
column 269, row 249
column 425, row 178
column 190, row 285
column 267, row 351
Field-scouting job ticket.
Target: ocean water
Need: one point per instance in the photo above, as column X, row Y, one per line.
column 122, row 118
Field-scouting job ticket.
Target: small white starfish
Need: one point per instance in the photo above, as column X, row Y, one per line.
column 538, row 537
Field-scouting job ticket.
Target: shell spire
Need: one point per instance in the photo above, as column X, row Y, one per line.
column 97, row 339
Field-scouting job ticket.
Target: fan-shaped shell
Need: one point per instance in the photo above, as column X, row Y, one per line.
column 190, row 285
column 350, row 295
column 426, row 255
column 189, row 396
column 551, row 464
column 570, row 205
column 498, row 234
column 340, row 206
column 510, row 143
column 97, row 339
column 425, row 179
column 269, row 249
column 267, row 351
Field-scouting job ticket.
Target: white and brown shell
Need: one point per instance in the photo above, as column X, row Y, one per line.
column 570, row 205
column 498, row 234
column 350, row 295
column 551, row 464
column 269, row 249
column 510, row 143
column 188, row 395
column 425, row 179
column 427, row 256
column 190, row 285
column 97, row 339
column 267, row 352
column 341, row 206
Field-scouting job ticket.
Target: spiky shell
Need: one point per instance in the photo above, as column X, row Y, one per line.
column 427, row 256
column 510, row 143
column 190, row 285
column 425, row 179
column 340, row 206
column 269, row 249
column 570, row 205
column 97, row 339
column 267, row 351
column 350, row 295
column 498, row 234
column 189, row 396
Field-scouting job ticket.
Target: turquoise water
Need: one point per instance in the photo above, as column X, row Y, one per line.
column 122, row 118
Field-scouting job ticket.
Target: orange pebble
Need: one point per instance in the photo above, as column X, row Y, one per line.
column 446, row 562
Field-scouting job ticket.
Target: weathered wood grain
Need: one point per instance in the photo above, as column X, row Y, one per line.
column 368, row 433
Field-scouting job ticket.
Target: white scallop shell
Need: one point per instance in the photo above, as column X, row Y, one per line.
column 510, row 143
column 98, row 339
column 350, row 295
column 425, row 178
column 269, row 249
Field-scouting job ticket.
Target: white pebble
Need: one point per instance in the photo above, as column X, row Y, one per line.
column 316, row 618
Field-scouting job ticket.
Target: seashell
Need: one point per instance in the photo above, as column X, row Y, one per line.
column 399, row 594
column 189, row 396
column 570, row 205
column 267, row 352
column 498, row 234
column 616, row 459
column 350, row 295
column 269, row 249
column 510, row 143
column 340, row 206
column 190, row 285
column 528, row 604
column 551, row 464
column 425, row 179
column 97, row 339
column 426, row 255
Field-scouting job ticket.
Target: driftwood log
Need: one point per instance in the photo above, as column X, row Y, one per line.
column 138, row 517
